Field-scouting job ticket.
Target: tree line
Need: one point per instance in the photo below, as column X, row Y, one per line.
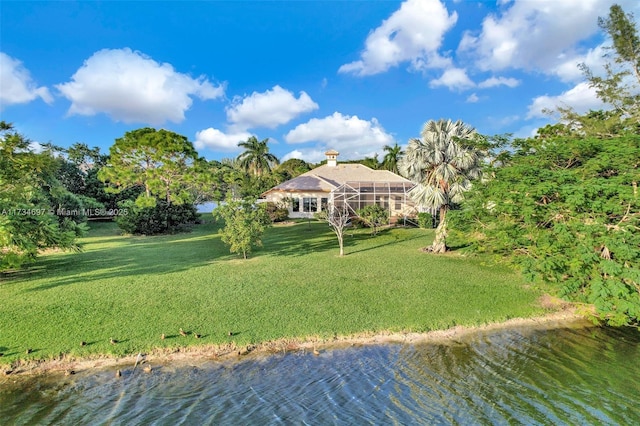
column 149, row 183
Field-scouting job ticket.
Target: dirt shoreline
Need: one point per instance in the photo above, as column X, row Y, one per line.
column 177, row 356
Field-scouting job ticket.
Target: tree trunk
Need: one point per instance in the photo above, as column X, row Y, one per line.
column 439, row 243
column 340, row 241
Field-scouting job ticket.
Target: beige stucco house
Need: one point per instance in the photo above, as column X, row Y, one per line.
column 333, row 183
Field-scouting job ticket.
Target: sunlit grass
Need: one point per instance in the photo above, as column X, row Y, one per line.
column 133, row 289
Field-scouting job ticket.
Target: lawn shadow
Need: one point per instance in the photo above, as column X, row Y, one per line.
column 299, row 240
column 125, row 256
column 305, row 238
column 170, row 336
column 458, row 246
column 383, row 238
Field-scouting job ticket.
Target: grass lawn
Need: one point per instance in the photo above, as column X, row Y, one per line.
column 133, row 289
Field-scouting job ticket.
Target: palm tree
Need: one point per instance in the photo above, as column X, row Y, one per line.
column 442, row 166
column 256, row 158
column 392, row 157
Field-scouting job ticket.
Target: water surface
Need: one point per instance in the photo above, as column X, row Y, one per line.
column 573, row 376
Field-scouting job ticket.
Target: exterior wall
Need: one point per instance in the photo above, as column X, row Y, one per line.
column 277, row 197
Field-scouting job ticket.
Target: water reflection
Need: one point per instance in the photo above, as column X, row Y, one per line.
column 568, row 376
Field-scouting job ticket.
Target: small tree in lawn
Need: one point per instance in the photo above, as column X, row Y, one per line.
column 337, row 216
column 374, row 216
column 244, row 225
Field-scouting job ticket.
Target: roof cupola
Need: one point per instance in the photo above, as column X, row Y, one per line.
column 332, row 157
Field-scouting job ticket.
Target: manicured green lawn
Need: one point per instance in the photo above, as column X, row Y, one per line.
column 133, row 289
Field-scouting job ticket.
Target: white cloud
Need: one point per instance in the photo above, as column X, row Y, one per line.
column 268, row 109
column 131, row 87
column 16, row 84
column 534, row 35
column 499, row 81
column 309, row 155
column 472, row 99
column 36, row 147
column 412, row 33
column 582, row 98
column 568, row 70
column 350, row 135
column 215, row 139
column 293, row 154
column 454, row 79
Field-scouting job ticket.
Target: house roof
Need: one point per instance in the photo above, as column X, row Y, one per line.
column 326, row 178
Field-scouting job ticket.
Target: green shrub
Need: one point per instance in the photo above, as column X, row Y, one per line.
column 357, row 223
column 374, row 216
column 276, row 212
column 159, row 219
column 425, row 220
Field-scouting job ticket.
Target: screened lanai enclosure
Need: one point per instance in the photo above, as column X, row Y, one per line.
column 393, row 196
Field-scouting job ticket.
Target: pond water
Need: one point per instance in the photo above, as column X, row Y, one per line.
column 573, row 376
column 207, row 207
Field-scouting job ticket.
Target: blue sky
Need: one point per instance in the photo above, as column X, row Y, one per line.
column 308, row 75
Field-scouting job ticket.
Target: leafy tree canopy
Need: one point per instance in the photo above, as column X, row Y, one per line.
column 244, row 224
column 568, row 212
column 292, row 168
column 28, row 189
column 165, row 164
column 565, row 205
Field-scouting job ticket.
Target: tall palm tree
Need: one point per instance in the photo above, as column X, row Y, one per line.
column 392, row 157
column 442, row 166
column 256, row 158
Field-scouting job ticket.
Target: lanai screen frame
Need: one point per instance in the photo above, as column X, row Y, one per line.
column 357, row 194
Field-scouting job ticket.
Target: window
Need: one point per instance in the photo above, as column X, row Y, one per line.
column 323, row 203
column 295, row 204
column 398, row 203
column 382, row 201
column 310, row 204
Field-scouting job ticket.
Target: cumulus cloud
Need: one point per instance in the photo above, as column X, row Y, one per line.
column 454, row 79
column 534, row 35
column 413, row 33
column 293, row 154
column 581, row 97
column 350, row 135
column 268, row 109
column 310, row 155
column 131, row 87
column 36, row 147
column 472, row 99
column 499, row 81
column 16, row 84
column 217, row 140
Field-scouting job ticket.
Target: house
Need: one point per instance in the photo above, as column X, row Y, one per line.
column 355, row 185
